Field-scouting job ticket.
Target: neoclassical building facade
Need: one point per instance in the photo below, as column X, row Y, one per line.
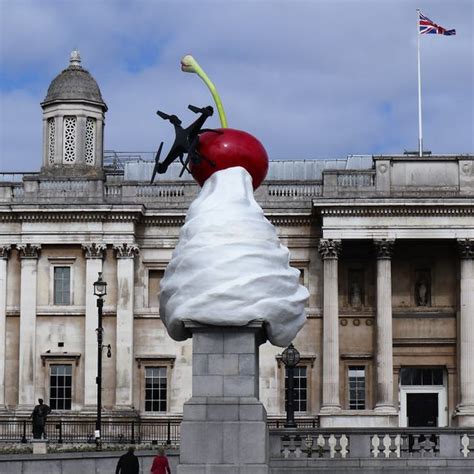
column 385, row 245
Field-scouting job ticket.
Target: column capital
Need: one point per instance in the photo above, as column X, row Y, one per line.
column 5, row 251
column 466, row 248
column 126, row 250
column 29, row 250
column 94, row 250
column 384, row 248
column 329, row 248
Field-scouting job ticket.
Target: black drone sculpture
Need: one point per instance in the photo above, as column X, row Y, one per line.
column 185, row 142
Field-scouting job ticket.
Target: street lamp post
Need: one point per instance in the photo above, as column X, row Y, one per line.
column 290, row 357
column 100, row 290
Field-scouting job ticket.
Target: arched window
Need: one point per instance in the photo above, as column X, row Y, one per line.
column 69, row 140
column 89, row 152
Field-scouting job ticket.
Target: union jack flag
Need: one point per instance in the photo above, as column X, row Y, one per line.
column 428, row 27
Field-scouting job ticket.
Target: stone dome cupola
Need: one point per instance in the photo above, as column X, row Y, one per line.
column 74, row 84
column 73, row 123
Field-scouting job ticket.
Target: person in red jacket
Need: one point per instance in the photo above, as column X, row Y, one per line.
column 160, row 463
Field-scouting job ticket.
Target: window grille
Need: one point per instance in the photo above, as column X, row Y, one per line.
column 62, row 285
column 52, row 140
column 60, row 387
column 90, row 141
column 300, row 382
column 357, row 388
column 156, row 383
column 69, row 139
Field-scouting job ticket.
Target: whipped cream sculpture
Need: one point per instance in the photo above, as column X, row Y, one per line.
column 229, row 267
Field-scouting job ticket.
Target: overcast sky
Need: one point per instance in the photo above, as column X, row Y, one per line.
column 310, row 79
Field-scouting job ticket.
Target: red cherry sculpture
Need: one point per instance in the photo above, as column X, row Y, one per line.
column 227, row 149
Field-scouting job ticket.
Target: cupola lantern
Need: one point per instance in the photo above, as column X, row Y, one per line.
column 73, row 123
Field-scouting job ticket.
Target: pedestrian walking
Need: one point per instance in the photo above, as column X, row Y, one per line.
column 160, row 463
column 128, row 463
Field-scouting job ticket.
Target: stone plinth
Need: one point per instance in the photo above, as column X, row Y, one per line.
column 224, row 424
column 40, row 446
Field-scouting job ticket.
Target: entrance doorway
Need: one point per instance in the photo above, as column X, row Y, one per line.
column 422, row 409
column 423, row 397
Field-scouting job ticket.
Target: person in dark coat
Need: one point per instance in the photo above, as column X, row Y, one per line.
column 39, row 415
column 160, row 463
column 128, row 463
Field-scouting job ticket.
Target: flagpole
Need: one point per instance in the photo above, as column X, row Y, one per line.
column 420, row 127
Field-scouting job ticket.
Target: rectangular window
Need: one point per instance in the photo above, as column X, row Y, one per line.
column 60, row 387
column 356, row 388
column 156, row 386
column 300, row 388
column 62, row 285
column 154, row 279
column 421, row 376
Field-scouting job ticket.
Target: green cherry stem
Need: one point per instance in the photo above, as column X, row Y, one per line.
column 189, row 64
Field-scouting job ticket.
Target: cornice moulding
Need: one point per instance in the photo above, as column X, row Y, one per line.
column 168, row 221
column 418, row 341
column 466, row 210
column 68, row 216
column 165, row 221
column 290, row 220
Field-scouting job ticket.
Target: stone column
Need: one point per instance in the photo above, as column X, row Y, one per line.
column 224, row 427
column 330, row 250
column 29, row 254
column 124, row 330
column 94, row 254
column 384, row 351
column 465, row 409
column 4, row 254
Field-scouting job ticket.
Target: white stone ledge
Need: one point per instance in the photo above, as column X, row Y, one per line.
column 359, row 419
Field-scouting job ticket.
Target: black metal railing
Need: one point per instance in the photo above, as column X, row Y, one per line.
column 153, row 431
column 162, row 431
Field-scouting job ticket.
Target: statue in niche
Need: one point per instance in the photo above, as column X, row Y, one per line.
column 422, row 291
column 355, row 295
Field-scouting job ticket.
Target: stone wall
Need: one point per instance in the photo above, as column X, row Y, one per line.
column 74, row 463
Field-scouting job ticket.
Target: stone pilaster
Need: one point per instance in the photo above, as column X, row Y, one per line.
column 124, row 330
column 465, row 409
column 4, row 254
column 384, row 343
column 29, row 254
column 330, row 251
column 94, row 254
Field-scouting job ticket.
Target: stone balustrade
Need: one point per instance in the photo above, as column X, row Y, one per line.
column 389, row 176
column 125, row 192
column 295, row 190
column 365, row 443
column 356, row 179
column 161, row 191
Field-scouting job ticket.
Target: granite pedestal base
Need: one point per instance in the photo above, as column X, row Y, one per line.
column 40, row 446
column 224, row 429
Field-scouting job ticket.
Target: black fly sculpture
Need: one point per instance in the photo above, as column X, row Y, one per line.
column 185, row 142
